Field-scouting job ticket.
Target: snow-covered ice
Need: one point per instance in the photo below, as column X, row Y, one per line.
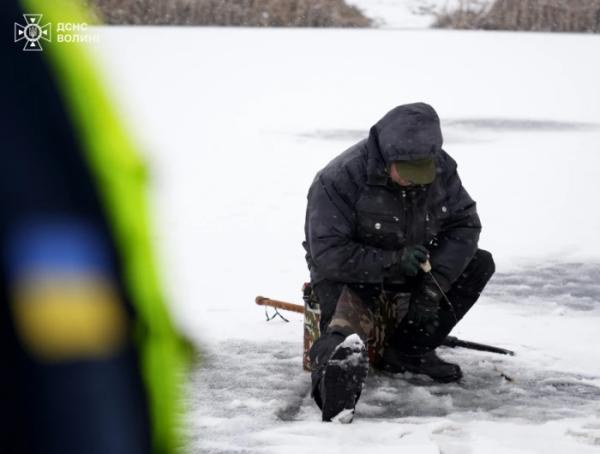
column 236, row 122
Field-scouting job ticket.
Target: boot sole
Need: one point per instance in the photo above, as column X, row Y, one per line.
column 343, row 380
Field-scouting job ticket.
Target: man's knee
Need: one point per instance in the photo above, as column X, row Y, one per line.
column 485, row 264
column 477, row 274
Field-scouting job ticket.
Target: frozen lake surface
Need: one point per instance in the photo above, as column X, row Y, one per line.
column 259, row 396
column 235, row 124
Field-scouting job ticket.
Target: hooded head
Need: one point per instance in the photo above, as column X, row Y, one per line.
column 407, row 133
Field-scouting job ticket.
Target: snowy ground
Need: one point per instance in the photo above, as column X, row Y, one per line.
column 408, row 14
column 534, row 402
column 399, row 14
column 236, row 123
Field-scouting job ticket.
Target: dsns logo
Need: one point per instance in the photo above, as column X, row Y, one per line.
column 32, row 32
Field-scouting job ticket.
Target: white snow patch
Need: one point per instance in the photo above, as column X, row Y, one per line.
column 354, row 342
column 344, row 417
column 406, row 14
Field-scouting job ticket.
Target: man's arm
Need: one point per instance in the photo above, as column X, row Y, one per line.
column 329, row 233
column 456, row 243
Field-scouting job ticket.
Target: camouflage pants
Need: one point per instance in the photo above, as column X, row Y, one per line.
column 352, row 309
column 376, row 315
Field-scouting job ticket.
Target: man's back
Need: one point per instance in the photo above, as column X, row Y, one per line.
column 357, row 216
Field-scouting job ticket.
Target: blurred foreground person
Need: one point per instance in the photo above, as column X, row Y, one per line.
column 89, row 357
column 389, row 217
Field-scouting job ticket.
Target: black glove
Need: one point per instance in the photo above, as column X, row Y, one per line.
column 425, row 305
column 411, row 258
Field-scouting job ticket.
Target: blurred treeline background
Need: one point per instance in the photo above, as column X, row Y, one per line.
column 534, row 15
column 249, row 13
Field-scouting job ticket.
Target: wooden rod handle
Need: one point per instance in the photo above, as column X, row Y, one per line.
column 262, row 301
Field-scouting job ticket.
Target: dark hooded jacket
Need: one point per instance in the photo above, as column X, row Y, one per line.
column 358, row 220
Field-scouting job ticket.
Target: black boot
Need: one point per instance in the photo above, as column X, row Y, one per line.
column 343, row 379
column 428, row 364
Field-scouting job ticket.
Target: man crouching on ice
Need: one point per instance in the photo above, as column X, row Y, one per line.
column 376, row 214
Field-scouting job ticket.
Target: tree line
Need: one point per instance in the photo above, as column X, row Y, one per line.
column 533, row 15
